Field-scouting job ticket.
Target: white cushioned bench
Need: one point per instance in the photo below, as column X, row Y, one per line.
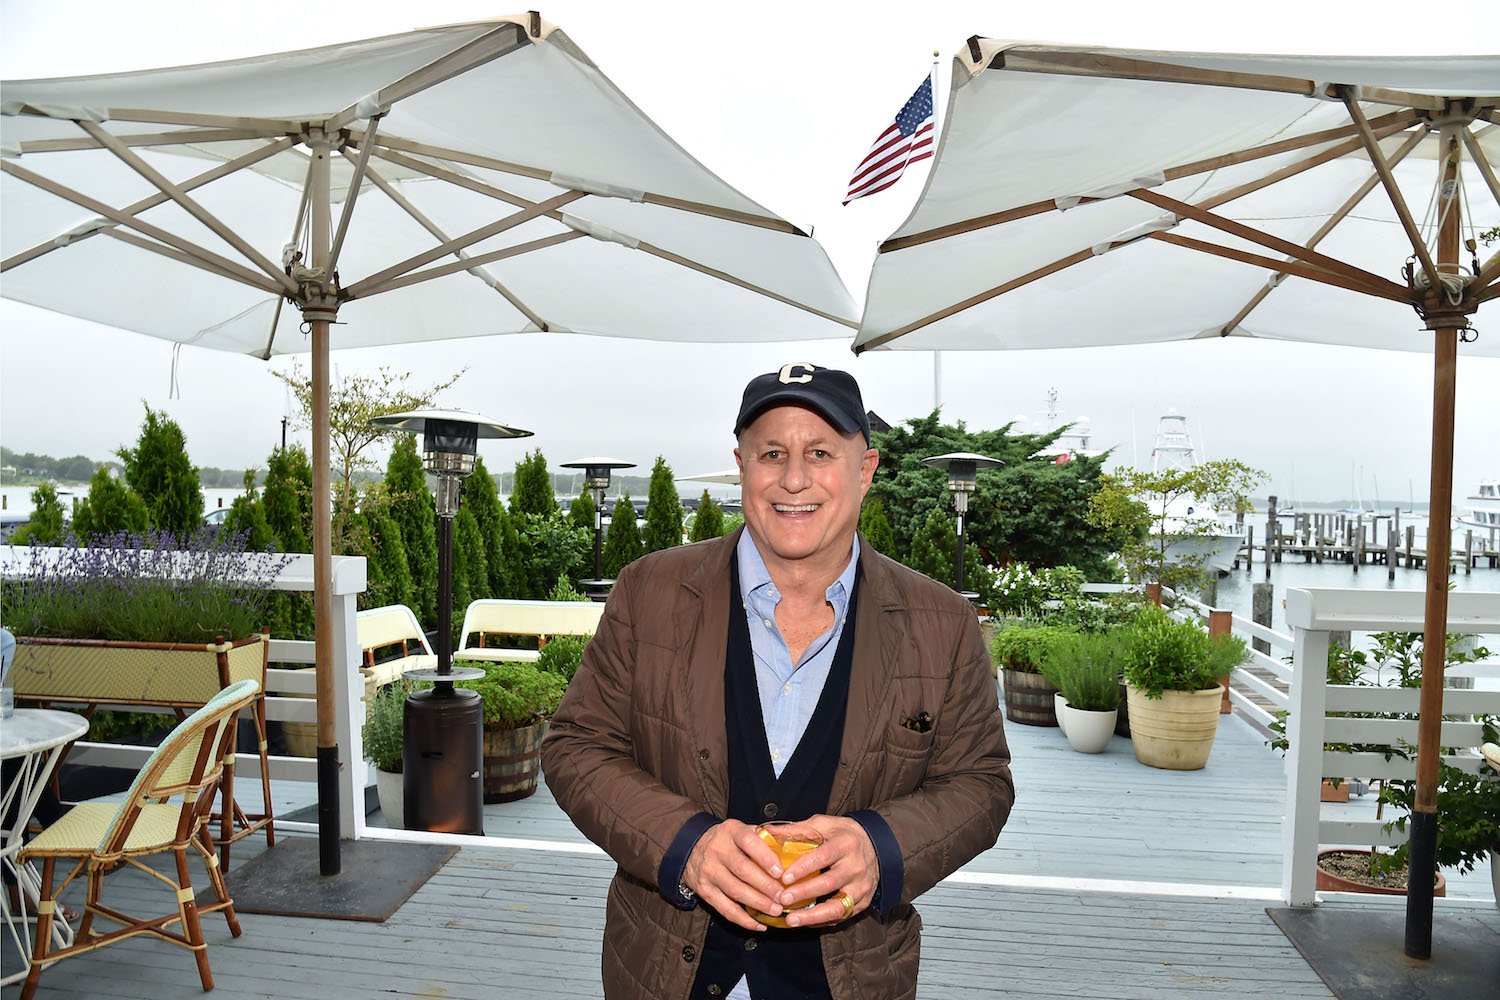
column 539, row 619
column 381, row 629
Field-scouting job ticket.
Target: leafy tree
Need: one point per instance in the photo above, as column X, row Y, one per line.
column 581, row 512
column 876, row 527
column 663, row 510
column 157, row 470
column 532, row 492
column 933, row 547
column 47, row 516
column 109, row 509
column 482, row 499
column 551, row 547
column 622, row 543
column 1029, row 509
column 288, row 497
column 247, row 516
column 412, row 508
column 352, row 403
column 1135, row 498
column 709, row 521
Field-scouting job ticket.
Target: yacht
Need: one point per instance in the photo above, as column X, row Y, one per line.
column 1482, row 509
column 1074, row 442
column 1211, row 540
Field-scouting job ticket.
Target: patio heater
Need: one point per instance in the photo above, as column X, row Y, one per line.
column 596, row 477
column 443, row 750
column 963, row 472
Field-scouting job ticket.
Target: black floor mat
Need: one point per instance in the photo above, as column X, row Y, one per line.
column 376, row 877
column 1360, row 954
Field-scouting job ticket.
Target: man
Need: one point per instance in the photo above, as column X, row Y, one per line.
column 784, row 672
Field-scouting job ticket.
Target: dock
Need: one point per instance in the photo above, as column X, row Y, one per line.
column 1359, row 540
column 1111, row 880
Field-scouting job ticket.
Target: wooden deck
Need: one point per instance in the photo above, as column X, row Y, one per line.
column 1112, row 880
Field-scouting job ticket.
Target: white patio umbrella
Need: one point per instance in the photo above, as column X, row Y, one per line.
column 1084, row 197
column 458, row 181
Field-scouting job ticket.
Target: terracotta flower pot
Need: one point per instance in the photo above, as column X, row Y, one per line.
column 1329, row 882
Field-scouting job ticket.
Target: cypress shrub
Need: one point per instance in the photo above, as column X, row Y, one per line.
column 581, row 513
column 109, row 509
column 157, row 469
column 247, row 517
column 287, row 498
column 471, row 576
column 709, row 521
column 47, row 515
column 663, row 510
column 933, row 546
column 482, row 499
column 876, row 527
column 532, row 491
column 413, row 511
column 622, row 545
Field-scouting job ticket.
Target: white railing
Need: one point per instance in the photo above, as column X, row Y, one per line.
column 289, row 692
column 1248, row 686
column 1312, row 615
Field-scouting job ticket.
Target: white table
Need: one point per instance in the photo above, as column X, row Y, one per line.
column 35, row 737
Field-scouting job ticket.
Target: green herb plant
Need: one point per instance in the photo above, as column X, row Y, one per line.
column 1085, row 667
column 384, row 731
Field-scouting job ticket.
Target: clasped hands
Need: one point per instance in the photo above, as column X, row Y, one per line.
column 731, row 867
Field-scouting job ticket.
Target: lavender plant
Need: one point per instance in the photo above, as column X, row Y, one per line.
column 144, row 588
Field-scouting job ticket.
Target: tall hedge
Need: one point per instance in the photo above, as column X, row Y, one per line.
column 158, row 470
column 532, row 491
column 663, row 510
column 876, row 527
column 471, row 575
column 933, row 547
column 482, row 499
column 288, row 498
column 46, row 526
column 581, row 512
column 622, row 544
column 247, row 517
column 413, row 511
column 709, row 521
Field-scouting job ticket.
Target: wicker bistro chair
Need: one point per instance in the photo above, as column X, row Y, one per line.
column 167, row 809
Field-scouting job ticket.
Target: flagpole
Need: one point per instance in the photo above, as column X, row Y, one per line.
column 937, row 122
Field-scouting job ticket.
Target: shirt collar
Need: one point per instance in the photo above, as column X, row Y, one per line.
column 755, row 578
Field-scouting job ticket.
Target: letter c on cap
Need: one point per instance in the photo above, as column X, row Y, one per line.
column 787, row 378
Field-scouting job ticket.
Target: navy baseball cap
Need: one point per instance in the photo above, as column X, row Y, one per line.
column 832, row 393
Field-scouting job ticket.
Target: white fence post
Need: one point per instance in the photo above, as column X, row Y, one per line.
column 1304, row 761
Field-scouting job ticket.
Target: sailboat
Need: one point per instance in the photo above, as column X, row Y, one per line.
column 1210, row 541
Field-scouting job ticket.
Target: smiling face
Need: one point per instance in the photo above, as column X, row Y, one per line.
column 801, row 484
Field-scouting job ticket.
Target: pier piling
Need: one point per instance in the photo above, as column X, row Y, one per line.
column 1260, row 612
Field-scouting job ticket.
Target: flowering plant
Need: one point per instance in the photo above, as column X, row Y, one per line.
column 142, row 588
column 1022, row 592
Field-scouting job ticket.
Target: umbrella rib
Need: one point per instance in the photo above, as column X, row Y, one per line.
column 182, row 137
column 1392, row 190
column 666, row 201
column 1095, row 64
column 1394, row 122
column 471, row 263
column 497, row 42
column 713, row 272
column 160, row 248
column 222, row 170
column 371, row 285
column 296, row 241
column 151, row 116
column 479, row 272
column 189, row 205
column 1299, row 268
column 197, row 253
column 1333, row 220
column 360, row 167
column 1486, row 169
column 1373, row 281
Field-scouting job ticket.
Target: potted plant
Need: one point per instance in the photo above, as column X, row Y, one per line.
column 1020, row 651
column 1172, row 676
column 384, row 738
column 1086, row 669
column 518, row 698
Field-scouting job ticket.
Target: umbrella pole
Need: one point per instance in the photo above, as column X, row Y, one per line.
column 319, row 315
column 1422, row 861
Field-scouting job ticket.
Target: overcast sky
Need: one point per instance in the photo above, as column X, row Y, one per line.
column 781, row 100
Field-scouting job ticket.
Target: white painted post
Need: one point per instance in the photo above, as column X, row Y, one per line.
column 349, row 714
column 1304, row 760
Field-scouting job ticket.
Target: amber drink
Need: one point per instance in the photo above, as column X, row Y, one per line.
column 789, row 848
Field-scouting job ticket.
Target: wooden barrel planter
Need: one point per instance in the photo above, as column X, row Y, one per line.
column 1029, row 698
column 512, row 762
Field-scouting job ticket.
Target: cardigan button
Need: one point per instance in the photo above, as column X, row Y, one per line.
column 751, row 944
column 689, row 953
column 714, row 989
column 770, row 810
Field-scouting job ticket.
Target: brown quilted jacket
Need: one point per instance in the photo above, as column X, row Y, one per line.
column 638, row 746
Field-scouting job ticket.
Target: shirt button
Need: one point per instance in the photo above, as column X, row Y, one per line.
column 751, row 945
column 766, row 622
column 786, row 688
column 770, row 810
column 776, row 755
column 689, row 953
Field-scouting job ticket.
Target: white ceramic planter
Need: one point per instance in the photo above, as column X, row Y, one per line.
column 390, row 788
column 1087, row 732
column 1058, row 704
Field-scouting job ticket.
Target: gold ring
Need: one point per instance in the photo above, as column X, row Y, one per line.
column 848, row 902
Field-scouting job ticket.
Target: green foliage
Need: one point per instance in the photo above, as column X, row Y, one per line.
column 562, row 655
column 515, row 580
column 532, row 490
column 48, row 517
column 732, row 523
column 550, row 547
column 1019, row 591
column 412, row 508
column 581, row 510
column 109, row 509
column 157, row 470
column 126, row 727
column 564, row 590
column 876, row 527
column 622, row 543
column 384, row 733
column 353, row 401
column 708, row 522
column 471, row 575
column 388, row 570
column 1164, row 654
column 1024, row 645
column 1085, row 667
column 1468, row 812
column 1029, row 510
column 933, row 548
column 482, row 499
column 663, row 510
column 287, row 498
column 1129, row 500
column 517, row 694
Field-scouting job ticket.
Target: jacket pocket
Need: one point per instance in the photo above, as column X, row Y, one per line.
column 908, row 742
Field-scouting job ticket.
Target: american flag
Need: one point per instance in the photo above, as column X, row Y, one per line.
column 905, row 141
